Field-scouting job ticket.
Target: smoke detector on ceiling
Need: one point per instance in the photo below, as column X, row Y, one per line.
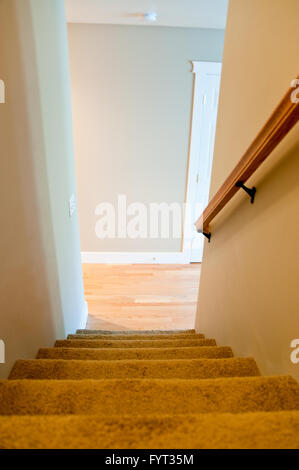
column 149, row 16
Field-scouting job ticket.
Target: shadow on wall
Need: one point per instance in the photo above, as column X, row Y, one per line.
column 252, row 263
column 279, row 178
column 27, row 311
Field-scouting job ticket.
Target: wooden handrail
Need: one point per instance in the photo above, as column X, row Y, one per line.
column 276, row 128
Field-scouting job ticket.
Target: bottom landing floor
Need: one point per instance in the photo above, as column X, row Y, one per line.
column 133, row 297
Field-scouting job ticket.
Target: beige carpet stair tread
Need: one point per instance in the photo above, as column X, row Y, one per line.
column 135, row 353
column 134, row 332
column 139, row 337
column 148, row 396
column 279, row 430
column 175, row 368
column 132, row 343
column 145, row 389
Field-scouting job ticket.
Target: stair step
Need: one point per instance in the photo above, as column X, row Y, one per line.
column 135, row 353
column 175, row 368
column 267, row 430
column 148, row 396
column 139, row 337
column 133, row 343
column 134, row 332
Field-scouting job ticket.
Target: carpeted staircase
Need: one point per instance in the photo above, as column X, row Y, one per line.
column 149, row 389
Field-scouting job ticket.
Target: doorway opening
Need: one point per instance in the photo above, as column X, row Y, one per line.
column 206, row 87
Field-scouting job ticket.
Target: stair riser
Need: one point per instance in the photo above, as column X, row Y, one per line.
column 141, row 353
column 138, row 337
column 135, row 332
column 93, row 343
column 184, row 369
column 148, row 397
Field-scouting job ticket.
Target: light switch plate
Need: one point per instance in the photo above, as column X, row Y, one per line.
column 72, row 205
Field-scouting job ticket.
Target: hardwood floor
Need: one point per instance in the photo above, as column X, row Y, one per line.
column 124, row 297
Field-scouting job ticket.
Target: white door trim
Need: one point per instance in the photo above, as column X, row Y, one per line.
column 199, row 68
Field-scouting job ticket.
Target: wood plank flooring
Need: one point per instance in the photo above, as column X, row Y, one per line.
column 124, row 297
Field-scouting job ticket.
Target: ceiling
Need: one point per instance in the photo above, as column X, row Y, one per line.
column 182, row 13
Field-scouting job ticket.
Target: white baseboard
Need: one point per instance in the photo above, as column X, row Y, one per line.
column 114, row 257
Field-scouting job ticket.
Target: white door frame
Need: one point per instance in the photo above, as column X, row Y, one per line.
column 199, row 69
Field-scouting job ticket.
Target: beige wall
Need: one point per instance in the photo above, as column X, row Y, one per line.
column 249, row 296
column 41, row 293
column 132, row 94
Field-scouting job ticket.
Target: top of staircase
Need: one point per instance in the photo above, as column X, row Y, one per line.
column 134, row 332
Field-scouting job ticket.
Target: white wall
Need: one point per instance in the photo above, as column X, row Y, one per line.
column 132, row 96
column 41, row 292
